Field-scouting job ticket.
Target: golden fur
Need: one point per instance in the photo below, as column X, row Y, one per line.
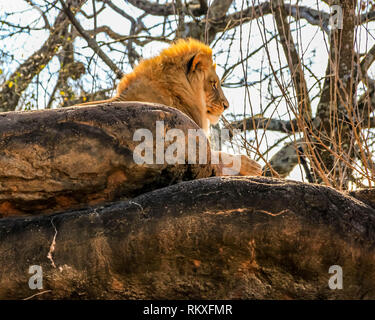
column 183, row 76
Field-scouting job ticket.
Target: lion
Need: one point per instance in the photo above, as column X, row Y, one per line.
column 182, row 76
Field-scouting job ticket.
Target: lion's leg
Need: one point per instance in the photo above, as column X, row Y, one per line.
column 236, row 164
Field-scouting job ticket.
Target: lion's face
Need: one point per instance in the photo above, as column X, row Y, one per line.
column 215, row 99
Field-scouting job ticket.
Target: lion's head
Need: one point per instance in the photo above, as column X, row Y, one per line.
column 183, row 76
column 202, row 75
column 216, row 101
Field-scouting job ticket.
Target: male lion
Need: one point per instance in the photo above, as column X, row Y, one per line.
column 183, row 76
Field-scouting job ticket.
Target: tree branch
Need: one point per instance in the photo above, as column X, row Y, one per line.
column 44, row 17
column 284, row 161
column 91, row 42
column 11, row 90
column 314, row 17
column 294, row 62
column 168, row 9
column 366, row 63
column 255, row 123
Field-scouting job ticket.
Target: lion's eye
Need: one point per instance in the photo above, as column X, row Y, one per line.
column 214, row 84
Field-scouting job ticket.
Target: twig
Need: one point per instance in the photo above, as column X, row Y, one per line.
column 91, row 42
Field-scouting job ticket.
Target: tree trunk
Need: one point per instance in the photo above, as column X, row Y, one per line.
column 335, row 112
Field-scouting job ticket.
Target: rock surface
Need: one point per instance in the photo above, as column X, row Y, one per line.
column 53, row 160
column 212, row 238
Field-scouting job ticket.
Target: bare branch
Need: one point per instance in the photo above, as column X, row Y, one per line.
column 91, row 42
column 284, row 161
column 155, row 9
column 294, row 62
column 119, row 11
column 366, row 63
column 255, row 123
column 46, row 22
column 218, row 10
column 11, row 90
column 314, row 17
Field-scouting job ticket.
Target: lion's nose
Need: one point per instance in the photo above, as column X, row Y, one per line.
column 225, row 105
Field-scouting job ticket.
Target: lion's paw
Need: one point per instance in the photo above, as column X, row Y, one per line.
column 250, row 167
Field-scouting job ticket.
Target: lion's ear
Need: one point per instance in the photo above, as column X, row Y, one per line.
column 195, row 63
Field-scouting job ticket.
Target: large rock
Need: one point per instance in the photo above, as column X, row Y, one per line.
column 213, row 238
column 67, row 158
